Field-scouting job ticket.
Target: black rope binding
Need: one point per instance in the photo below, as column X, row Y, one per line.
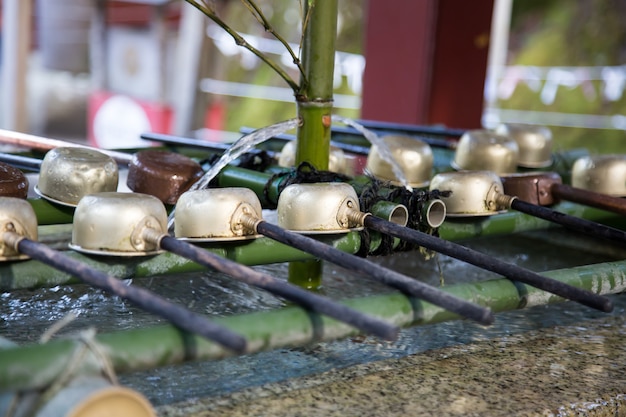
column 415, row 201
column 371, row 194
column 255, row 161
column 305, row 173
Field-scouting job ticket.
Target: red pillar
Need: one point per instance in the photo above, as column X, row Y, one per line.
column 426, row 61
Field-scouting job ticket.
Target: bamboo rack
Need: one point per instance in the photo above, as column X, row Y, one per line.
column 35, row 366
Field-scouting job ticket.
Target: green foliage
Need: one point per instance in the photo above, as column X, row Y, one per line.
column 566, row 33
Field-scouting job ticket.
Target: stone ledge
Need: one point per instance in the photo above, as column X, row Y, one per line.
column 563, row 371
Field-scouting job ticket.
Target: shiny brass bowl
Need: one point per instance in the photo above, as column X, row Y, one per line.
column 13, row 182
column 17, row 216
column 67, row 174
column 414, row 157
column 226, row 207
column 535, row 143
column 336, row 162
column 321, row 208
column 474, row 193
column 604, row 174
column 483, row 150
column 165, row 175
column 112, row 223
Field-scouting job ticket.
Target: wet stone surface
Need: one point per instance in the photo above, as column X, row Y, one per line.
column 559, row 371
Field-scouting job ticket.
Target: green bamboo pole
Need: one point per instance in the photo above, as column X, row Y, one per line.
column 231, row 176
column 306, row 273
column 315, row 105
column 36, row 366
column 315, row 98
column 452, row 229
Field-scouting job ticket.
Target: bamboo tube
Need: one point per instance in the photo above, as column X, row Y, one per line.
column 49, row 213
column 314, row 102
column 35, row 366
column 32, row 274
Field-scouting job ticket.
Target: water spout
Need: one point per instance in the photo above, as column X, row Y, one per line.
column 243, row 145
column 383, row 149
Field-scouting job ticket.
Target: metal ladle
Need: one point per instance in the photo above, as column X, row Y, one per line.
column 495, row 199
column 132, row 224
column 358, row 218
column 323, row 213
column 18, row 234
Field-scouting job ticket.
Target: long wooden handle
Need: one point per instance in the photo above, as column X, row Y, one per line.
column 146, row 300
column 490, row 263
column 590, row 198
column 387, row 276
column 39, row 143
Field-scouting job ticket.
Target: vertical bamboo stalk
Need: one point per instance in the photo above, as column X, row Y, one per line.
column 314, row 106
column 315, row 99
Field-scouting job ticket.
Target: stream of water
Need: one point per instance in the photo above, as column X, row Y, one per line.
column 243, row 145
column 247, row 142
column 383, row 149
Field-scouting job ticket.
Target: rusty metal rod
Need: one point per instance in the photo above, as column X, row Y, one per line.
column 39, row 143
column 22, row 162
column 355, row 149
column 306, row 299
column 389, row 277
column 203, row 144
column 409, row 128
column 570, row 222
column 490, row 263
column 589, row 198
column 195, row 143
column 146, row 300
column 434, row 142
column 179, row 140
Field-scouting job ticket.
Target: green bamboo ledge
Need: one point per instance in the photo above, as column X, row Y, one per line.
column 36, row 366
column 33, row 274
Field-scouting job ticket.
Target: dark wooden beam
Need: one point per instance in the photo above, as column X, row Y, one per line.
column 426, row 61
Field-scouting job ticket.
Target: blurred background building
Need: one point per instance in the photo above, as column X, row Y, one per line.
column 104, row 71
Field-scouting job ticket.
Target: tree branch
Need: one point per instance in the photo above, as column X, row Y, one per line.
column 210, row 12
column 260, row 17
